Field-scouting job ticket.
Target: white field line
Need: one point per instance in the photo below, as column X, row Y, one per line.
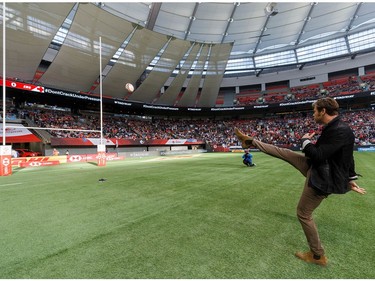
column 10, row 184
column 173, row 157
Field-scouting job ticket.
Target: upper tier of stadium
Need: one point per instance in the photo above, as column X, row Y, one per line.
column 183, row 54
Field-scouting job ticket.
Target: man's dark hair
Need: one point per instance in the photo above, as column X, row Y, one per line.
column 331, row 106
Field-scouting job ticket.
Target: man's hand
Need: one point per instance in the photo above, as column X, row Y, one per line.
column 354, row 186
column 308, row 135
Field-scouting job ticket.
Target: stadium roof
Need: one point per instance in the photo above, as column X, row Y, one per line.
column 57, row 44
column 253, row 27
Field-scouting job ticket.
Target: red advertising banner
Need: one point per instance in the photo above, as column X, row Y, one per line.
column 219, row 148
column 5, row 160
column 102, row 160
column 20, row 162
column 38, row 163
column 92, row 157
column 22, row 86
column 5, row 167
column 49, row 160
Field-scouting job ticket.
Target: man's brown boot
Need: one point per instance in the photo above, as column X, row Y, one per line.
column 309, row 257
column 245, row 140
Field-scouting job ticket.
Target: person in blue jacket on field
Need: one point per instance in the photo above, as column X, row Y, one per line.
column 248, row 159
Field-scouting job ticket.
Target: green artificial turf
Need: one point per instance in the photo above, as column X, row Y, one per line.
column 206, row 216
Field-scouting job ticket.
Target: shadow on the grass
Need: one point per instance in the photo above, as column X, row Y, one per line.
column 281, row 215
column 17, row 169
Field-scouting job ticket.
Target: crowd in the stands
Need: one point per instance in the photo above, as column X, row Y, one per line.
column 283, row 130
column 340, row 86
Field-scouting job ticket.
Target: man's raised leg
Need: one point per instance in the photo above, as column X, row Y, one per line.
column 297, row 160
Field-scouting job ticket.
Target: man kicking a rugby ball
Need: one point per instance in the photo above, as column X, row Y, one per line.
column 328, row 166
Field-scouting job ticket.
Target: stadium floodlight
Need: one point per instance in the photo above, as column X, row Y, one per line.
column 270, row 9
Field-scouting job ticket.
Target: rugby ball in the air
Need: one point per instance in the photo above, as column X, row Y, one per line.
column 129, row 87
